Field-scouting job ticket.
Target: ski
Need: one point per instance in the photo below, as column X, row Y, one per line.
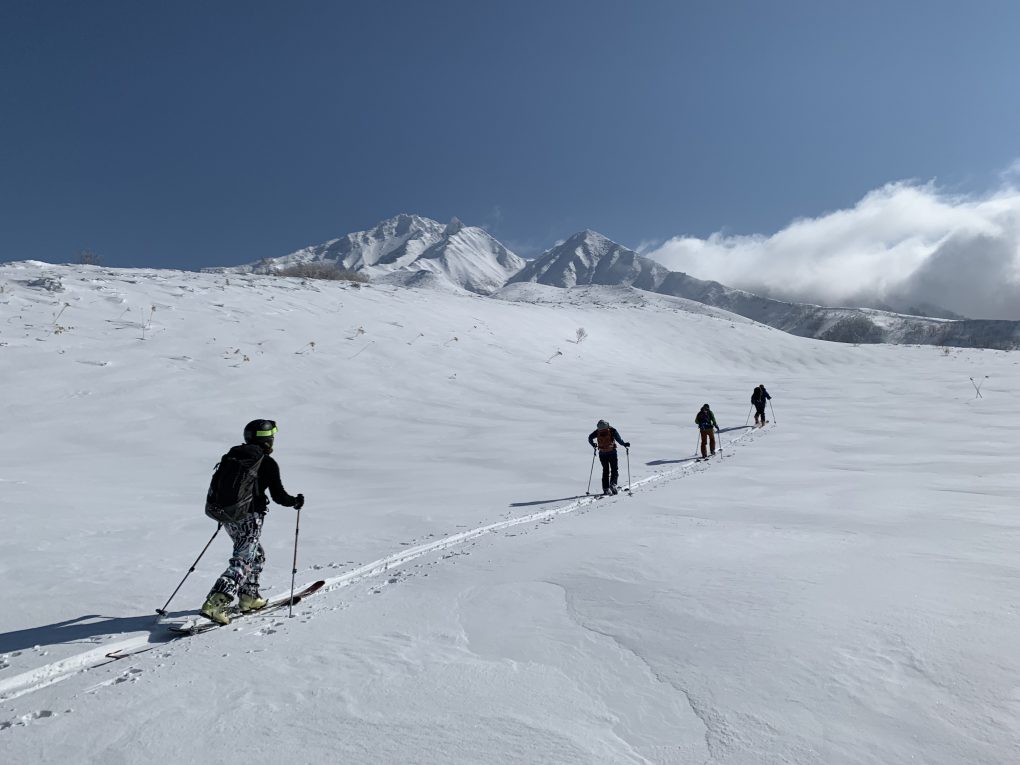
column 195, row 626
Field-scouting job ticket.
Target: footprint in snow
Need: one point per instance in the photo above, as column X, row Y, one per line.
column 128, row 677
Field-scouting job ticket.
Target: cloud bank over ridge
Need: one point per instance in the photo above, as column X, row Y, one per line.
column 904, row 246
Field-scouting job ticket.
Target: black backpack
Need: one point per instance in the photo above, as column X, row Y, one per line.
column 234, row 483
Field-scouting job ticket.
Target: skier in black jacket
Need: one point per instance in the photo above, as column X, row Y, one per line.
column 605, row 438
column 758, row 398
column 242, row 575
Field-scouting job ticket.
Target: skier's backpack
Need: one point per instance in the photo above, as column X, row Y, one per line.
column 605, row 440
column 234, row 483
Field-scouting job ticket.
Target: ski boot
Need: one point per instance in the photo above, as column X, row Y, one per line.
column 215, row 607
column 252, row 602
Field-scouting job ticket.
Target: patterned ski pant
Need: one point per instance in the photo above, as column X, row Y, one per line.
column 247, row 560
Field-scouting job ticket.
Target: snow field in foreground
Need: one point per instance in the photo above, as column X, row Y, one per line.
column 838, row 587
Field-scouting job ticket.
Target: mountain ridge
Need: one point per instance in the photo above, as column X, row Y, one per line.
column 415, row 251
column 464, row 257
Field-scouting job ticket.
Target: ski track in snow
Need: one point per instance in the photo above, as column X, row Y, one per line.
column 112, row 653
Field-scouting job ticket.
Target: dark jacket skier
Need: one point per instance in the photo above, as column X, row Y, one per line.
column 758, row 398
column 705, row 421
column 248, row 558
column 604, row 439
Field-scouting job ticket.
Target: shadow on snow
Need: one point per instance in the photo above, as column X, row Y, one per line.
column 673, row 462
column 84, row 629
column 547, row 501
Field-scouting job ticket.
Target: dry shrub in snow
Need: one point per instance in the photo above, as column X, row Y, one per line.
column 322, row 270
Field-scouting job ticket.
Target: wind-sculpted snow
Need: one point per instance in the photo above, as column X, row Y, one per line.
column 834, row 587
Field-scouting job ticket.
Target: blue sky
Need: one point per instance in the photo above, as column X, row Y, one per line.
column 195, row 134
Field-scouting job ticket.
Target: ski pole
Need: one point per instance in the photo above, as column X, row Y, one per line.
column 293, row 571
column 628, row 468
column 773, row 413
column 697, row 444
column 162, row 611
column 718, row 432
column 748, row 418
column 594, row 451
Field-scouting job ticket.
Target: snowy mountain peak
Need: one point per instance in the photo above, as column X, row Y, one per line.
column 459, row 256
column 405, row 225
column 590, row 237
column 589, row 257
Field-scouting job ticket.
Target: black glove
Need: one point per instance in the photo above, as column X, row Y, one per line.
column 299, row 501
column 626, row 444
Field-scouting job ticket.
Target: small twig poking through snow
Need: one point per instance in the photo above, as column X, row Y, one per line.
column 357, row 333
column 977, row 386
column 412, row 342
column 235, row 353
column 581, row 334
column 148, row 321
column 306, row 348
column 359, row 352
column 549, row 360
column 451, row 340
column 58, row 328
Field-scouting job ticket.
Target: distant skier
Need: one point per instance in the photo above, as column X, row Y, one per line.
column 758, row 398
column 605, row 438
column 248, row 557
column 706, row 422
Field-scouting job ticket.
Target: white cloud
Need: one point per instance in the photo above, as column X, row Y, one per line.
column 903, row 245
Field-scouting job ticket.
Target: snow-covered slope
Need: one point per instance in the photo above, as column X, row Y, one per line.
column 835, row 588
column 590, row 258
column 459, row 256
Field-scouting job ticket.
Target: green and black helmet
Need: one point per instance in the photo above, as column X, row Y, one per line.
column 260, row 432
